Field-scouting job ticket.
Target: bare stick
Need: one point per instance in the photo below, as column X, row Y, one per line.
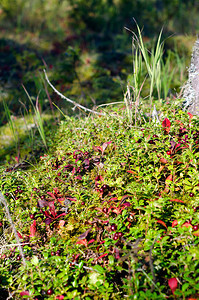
column 3, row 201
column 69, row 100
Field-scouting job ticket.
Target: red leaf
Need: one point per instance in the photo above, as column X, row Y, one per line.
column 190, row 115
column 61, row 201
column 33, row 229
column 104, row 146
column 162, row 223
column 173, row 284
column 176, row 200
column 24, row 293
column 91, row 241
column 51, row 194
column 179, row 122
column 19, row 235
column 61, row 215
column 132, row 172
column 166, row 124
column 61, row 297
column 169, row 178
column 174, row 223
column 52, row 208
column 82, row 242
column 103, row 255
column 186, row 224
column 162, row 160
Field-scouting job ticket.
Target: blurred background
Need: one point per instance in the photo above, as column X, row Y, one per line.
column 86, row 48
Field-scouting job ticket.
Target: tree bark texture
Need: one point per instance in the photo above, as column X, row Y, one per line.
column 191, row 88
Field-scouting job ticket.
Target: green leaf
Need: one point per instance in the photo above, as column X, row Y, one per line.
column 80, row 265
column 99, row 269
column 185, row 286
column 45, row 254
column 111, row 260
column 35, row 260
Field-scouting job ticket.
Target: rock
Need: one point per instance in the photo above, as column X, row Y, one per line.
column 191, row 88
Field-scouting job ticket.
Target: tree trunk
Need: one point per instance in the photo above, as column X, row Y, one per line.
column 191, row 88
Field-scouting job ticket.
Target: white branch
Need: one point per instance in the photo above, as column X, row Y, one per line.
column 69, row 100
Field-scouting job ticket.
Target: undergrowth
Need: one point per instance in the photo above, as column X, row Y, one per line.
column 110, row 211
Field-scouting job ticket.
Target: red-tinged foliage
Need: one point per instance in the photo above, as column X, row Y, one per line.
column 103, row 255
column 131, row 172
column 25, row 293
column 190, row 116
column 19, row 235
column 169, row 178
column 162, row 223
column 186, row 224
column 82, row 242
column 166, row 124
column 102, row 148
column 99, row 178
column 91, row 241
column 196, row 233
column 33, row 229
column 162, row 160
column 173, row 284
column 61, row 297
column 179, row 122
column 174, row 223
column 177, row 200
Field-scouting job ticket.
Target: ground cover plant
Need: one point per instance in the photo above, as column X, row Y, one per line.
column 109, row 212
column 102, row 204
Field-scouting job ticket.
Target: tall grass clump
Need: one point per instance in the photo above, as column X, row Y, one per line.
column 37, row 117
column 11, row 125
column 152, row 73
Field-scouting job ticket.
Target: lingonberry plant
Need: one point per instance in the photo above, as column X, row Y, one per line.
column 110, row 212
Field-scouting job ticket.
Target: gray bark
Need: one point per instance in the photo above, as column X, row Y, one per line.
column 191, row 88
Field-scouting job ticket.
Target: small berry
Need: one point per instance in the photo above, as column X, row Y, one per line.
column 191, row 194
column 105, row 187
column 52, row 253
column 20, row 191
column 16, row 191
column 195, row 227
column 169, row 152
column 120, row 234
column 105, row 210
column 59, row 174
column 16, row 198
column 116, row 236
column 18, row 257
column 58, row 252
column 196, row 208
column 7, row 194
column 32, row 216
column 35, row 189
column 83, row 203
column 43, row 197
column 113, row 227
column 101, row 190
column 49, row 292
